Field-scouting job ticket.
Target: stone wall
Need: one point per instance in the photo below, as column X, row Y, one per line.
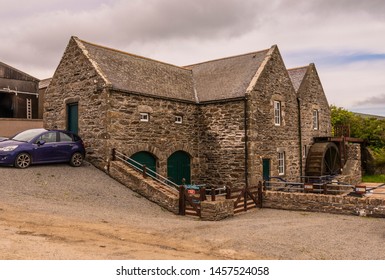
column 77, row 81
column 168, row 199
column 160, row 136
column 217, row 210
column 335, row 204
column 222, row 143
column 265, row 138
column 312, row 97
column 352, row 171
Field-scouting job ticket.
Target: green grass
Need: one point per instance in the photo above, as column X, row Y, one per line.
column 374, row 178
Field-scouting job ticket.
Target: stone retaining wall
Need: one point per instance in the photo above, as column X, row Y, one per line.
column 363, row 206
column 217, row 210
column 145, row 187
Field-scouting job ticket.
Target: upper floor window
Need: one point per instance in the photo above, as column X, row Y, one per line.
column 178, row 119
column 277, row 113
column 281, row 163
column 144, row 117
column 315, row 120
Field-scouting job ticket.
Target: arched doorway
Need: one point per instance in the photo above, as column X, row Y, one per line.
column 178, row 167
column 144, row 158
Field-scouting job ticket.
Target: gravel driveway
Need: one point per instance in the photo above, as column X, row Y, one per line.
column 61, row 212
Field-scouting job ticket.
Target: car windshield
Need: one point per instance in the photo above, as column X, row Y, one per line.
column 27, row 135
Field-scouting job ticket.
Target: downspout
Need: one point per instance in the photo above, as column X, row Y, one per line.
column 300, row 137
column 245, row 119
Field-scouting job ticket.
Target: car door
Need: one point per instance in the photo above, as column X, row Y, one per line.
column 45, row 147
column 65, row 146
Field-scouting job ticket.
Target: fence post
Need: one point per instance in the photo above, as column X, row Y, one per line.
column 203, row 194
column 228, row 192
column 144, row 171
column 182, row 202
column 245, row 198
column 113, row 154
column 212, row 193
column 325, row 187
column 260, row 194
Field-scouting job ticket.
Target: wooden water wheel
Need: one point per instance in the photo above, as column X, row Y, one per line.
column 323, row 159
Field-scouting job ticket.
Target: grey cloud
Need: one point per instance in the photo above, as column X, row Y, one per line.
column 374, row 100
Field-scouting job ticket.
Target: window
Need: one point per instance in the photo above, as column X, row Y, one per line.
column 63, row 137
column 178, row 119
column 144, row 117
column 277, row 113
column 48, row 137
column 281, row 163
column 315, row 120
column 304, row 151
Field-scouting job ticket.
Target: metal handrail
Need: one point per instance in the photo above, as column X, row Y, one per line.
column 139, row 167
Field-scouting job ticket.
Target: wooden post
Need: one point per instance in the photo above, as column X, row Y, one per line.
column 113, row 154
column 260, row 194
column 245, row 199
column 144, row 171
column 202, row 194
column 182, row 201
column 228, row 192
column 325, row 187
column 212, row 193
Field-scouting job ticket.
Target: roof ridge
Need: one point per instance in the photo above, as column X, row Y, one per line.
column 227, row 57
column 131, row 54
column 299, row 67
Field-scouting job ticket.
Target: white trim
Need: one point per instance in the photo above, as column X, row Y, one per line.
column 144, row 117
column 277, row 113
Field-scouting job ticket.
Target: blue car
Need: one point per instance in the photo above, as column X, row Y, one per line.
column 35, row 146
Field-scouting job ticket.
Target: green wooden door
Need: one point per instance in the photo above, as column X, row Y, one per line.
column 145, row 158
column 266, row 169
column 178, row 167
column 73, row 117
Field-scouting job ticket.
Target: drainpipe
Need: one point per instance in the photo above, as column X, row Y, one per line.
column 300, row 136
column 245, row 119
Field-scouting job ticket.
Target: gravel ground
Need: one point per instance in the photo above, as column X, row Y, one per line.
column 61, row 212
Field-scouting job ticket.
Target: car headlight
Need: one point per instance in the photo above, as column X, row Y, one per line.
column 8, row 148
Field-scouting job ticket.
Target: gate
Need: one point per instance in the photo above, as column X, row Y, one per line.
column 246, row 198
column 190, row 198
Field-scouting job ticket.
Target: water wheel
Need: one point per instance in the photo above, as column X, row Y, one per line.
column 323, row 159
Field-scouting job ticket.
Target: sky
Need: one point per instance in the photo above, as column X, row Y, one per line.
column 344, row 38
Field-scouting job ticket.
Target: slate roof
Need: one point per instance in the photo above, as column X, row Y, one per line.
column 226, row 78
column 134, row 73
column 297, row 75
column 220, row 79
column 44, row 83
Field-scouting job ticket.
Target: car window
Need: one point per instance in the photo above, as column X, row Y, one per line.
column 48, row 137
column 65, row 137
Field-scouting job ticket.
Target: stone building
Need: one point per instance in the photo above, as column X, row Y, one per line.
column 232, row 120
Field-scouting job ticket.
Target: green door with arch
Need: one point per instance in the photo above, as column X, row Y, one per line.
column 144, row 158
column 178, row 167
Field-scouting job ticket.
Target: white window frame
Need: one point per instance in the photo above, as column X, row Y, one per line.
column 178, row 119
column 144, row 117
column 277, row 113
column 304, row 151
column 315, row 119
column 281, row 163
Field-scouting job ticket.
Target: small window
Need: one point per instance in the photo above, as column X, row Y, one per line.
column 144, row 117
column 178, row 119
column 304, row 151
column 315, row 120
column 277, row 113
column 281, row 163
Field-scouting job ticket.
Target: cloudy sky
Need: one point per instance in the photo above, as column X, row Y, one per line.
column 344, row 38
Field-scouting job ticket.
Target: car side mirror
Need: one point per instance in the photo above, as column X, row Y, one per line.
column 40, row 142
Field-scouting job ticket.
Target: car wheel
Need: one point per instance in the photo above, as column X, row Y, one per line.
column 76, row 159
column 23, row 160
